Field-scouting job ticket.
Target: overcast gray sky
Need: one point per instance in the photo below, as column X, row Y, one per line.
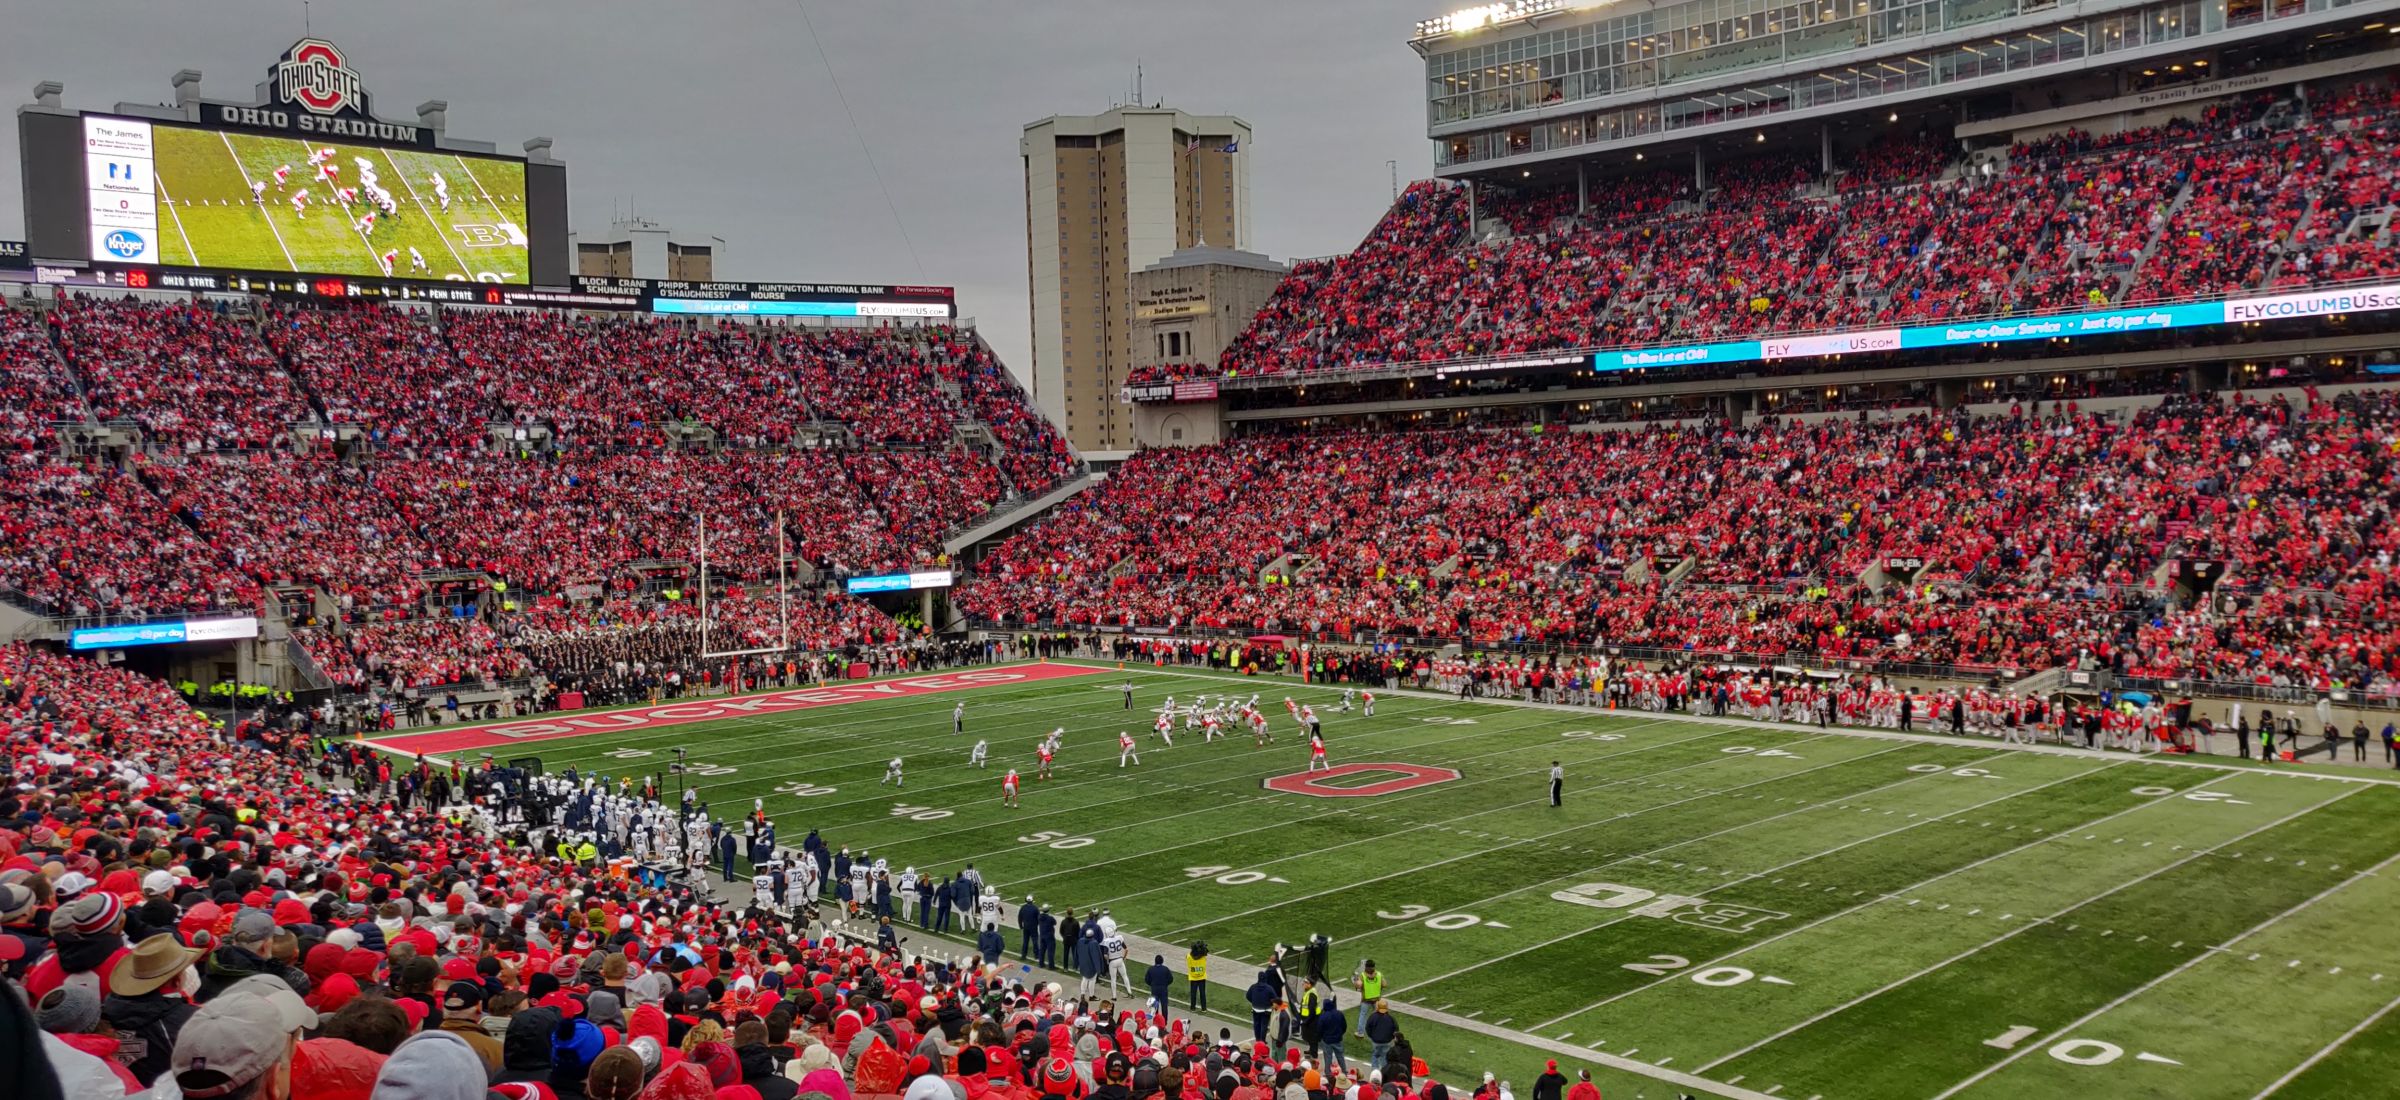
column 717, row 118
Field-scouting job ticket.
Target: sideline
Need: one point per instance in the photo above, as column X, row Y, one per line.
column 2289, row 771
column 536, row 728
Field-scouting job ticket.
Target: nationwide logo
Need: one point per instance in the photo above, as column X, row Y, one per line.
column 313, row 75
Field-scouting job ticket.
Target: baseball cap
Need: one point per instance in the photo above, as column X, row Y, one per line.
column 462, row 995
column 253, row 926
column 16, row 902
column 232, row 1041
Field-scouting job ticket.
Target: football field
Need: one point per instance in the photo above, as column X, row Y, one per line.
column 207, row 217
column 1719, row 907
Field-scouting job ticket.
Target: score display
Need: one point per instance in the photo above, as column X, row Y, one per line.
column 614, row 295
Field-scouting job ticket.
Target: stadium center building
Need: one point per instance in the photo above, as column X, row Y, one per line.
column 1559, row 105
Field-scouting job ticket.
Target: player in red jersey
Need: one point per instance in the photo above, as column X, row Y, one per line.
column 1008, row 789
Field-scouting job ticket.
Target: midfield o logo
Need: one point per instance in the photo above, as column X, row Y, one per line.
column 313, row 75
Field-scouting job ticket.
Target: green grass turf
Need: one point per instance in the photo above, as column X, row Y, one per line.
column 1868, row 912
column 206, row 216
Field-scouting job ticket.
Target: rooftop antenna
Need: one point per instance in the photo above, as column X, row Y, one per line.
column 307, row 30
column 1138, row 100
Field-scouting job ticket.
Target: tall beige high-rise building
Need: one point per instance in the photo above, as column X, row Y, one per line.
column 1105, row 196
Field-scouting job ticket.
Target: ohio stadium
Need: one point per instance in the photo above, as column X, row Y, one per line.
column 1826, row 550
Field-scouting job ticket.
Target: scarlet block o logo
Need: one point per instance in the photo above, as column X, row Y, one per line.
column 1405, row 777
column 314, row 76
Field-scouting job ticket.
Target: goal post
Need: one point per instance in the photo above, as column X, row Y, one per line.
column 783, row 593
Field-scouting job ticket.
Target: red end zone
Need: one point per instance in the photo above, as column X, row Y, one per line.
column 470, row 738
column 1404, row 777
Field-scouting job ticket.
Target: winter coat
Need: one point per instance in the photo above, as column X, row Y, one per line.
column 758, row 1072
column 334, row 1069
column 146, row 1029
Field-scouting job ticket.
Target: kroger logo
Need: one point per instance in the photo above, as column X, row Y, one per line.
column 125, row 245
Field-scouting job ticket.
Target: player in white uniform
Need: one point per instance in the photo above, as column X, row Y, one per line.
column 1308, row 719
column 1008, row 789
column 416, row 260
column 1125, row 749
column 1349, row 696
column 958, row 719
column 1166, row 730
column 441, row 191
column 891, row 774
column 258, row 192
column 975, row 757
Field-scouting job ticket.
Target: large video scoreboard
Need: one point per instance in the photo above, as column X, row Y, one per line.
column 306, row 182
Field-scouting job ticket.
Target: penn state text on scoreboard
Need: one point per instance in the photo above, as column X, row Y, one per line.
column 621, row 295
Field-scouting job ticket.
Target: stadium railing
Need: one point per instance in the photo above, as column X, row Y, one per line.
column 1364, row 372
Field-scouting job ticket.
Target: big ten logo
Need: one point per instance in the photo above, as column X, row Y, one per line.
column 479, row 235
column 1700, row 912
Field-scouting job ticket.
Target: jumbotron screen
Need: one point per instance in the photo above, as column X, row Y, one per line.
column 190, row 197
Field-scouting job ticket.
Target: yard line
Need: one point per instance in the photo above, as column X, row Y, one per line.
column 2328, row 1049
column 1253, row 752
column 1751, row 877
column 2369, row 776
column 1533, row 838
column 374, row 258
column 464, row 270
column 1372, row 839
column 2154, row 983
column 263, row 212
column 1786, row 934
column 1330, row 813
column 488, row 200
column 2028, row 926
column 169, row 202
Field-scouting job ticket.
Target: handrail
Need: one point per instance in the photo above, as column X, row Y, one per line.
column 1862, row 665
column 1379, row 371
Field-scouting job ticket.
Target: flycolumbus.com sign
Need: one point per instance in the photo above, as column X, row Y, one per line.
column 2321, row 304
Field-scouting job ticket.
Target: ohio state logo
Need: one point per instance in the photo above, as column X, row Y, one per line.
column 313, row 75
column 1352, row 780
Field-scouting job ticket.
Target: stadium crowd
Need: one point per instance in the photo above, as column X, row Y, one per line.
column 2250, row 196
column 253, row 909
column 2030, row 541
